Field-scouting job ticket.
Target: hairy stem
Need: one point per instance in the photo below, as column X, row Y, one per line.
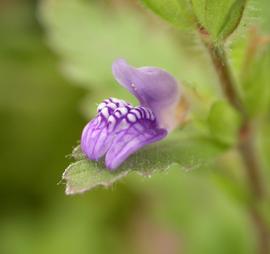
column 220, row 63
column 246, row 145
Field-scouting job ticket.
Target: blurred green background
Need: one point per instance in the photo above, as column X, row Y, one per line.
column 44, row 96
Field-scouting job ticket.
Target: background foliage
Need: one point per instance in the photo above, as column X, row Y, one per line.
column 55, row 66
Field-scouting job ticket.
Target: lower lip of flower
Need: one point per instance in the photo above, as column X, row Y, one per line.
column 119, row 128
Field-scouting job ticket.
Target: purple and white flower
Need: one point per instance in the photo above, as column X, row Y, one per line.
column 120, row 129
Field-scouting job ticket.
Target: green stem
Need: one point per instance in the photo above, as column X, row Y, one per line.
column 246, row 147
column 221, row 66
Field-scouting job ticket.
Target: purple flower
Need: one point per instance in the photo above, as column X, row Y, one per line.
column 120, row 129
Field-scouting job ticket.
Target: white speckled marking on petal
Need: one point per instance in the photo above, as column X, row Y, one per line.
column 105, row 112
column 131, row 117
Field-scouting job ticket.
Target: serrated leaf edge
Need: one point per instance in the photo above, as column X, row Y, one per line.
column 69, row 190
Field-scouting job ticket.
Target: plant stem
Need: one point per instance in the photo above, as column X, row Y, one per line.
column 246, row 145
column 220, row 63
column 247, row 151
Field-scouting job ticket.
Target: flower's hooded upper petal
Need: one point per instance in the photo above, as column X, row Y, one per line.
column 154, row 88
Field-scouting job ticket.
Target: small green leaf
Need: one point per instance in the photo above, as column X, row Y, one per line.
column 224, row 123
column 85, row 175
column 220, row 18
column 255, row 84
column 232, row 19
column 176, row 12
column 188, row 152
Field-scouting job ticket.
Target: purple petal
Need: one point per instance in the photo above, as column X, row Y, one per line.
column 85, row 137
column 129, row 141
column 95, row 140
column 155, row 89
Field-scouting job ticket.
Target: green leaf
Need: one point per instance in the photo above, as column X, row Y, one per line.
column 176, row 12
column 187, row 152
column 85, row 175
column 224, row 123
column 255, row 85
column 220, row 18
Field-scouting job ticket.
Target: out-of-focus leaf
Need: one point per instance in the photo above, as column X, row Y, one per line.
column 224, row 123
column 219, row 18
column 188, row 152
column 255, row 85
column 88, row 38
column 176, row 12
column 263, row 11
column 196, row 206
